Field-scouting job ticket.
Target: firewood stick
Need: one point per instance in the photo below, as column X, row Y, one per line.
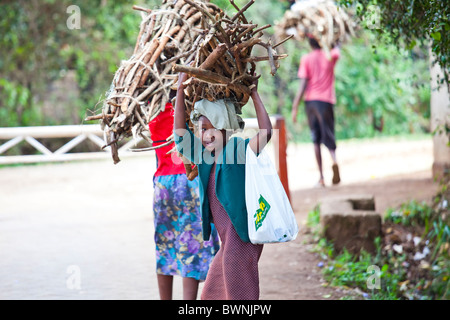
column 140, row 120
column 213, row 19
column 157, row 54
column 152, row 148
column 199, row 8
column 211, row 60
column 247, row 30
column 153, row 105
column 125, row 70
column 188, row 24
column 138, row 8
column 150, row 28
column 137, row 77
column 178, row 57
column 258, row 59
column 240, row 12
column 114, row 149
column 145, row 137
column 227, row 69
column 141, row 32
column 247, row 77
column 99, row 117
column 211, row 77
column 248, row 43
column 238, row 62
column 242, row 25
column 271, row 58
column 184, row 10
column 261, row 28
column 170, row 137
column 179, row 4
column 283, row 41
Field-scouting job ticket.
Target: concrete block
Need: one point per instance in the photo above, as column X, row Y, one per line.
column 351, row 222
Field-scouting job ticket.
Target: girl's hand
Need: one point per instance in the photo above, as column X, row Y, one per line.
column 258, row 142
column 182, row 77
column 180, row 106
column 255, row 85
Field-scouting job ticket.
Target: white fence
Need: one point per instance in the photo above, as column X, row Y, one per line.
column 78, row 134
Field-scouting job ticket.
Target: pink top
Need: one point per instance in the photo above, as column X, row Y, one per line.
column 319, row 71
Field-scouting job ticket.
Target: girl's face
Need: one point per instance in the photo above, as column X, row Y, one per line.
column 212, row 139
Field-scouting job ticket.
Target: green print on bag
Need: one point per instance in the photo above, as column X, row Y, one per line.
column 261, row 213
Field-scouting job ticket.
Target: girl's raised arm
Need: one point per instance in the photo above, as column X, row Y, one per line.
column 179, row 117
column 258, row 142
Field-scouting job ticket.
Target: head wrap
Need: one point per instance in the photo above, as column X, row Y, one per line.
column 221, row 113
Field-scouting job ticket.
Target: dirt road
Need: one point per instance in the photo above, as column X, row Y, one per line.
column 85, row 230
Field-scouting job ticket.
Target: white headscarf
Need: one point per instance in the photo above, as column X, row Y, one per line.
column 221, row 113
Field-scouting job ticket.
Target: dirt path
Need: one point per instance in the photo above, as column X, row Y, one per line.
column 392, row 171
column 96, row 218
column 290, row 271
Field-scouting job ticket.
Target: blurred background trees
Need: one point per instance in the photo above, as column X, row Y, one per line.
column 50, row 74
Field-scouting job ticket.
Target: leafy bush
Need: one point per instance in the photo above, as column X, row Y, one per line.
column 411, row 260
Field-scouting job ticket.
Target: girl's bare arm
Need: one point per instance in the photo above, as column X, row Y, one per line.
column 258, row 142
column 179, row 117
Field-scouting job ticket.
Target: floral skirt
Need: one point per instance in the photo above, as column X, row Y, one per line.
column 180, row 249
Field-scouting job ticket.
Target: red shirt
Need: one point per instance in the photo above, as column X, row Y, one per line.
column 319, row 71
column 161, row 128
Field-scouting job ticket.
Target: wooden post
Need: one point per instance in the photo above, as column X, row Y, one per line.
column 280, row 152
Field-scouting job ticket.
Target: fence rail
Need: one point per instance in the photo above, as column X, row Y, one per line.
column 80, row 133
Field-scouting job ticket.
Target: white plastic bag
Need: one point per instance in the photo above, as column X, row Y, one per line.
column 269, row 212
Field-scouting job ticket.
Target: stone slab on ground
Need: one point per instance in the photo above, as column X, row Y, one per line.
column 351, row 222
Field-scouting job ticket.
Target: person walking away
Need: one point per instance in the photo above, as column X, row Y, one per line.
column 180, row 248
column 316, row 73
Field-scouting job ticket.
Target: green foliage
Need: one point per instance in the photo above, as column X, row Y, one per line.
column 354, row 271
column 38, row 48
column 411, row 214
column 403, row 274
column 408, row 23
column 371, row 86
column 380, row 89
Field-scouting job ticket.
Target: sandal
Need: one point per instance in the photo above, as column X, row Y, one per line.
column 336, row 176
column 320, row 184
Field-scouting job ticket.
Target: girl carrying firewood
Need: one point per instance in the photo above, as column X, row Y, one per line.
column 233, row 274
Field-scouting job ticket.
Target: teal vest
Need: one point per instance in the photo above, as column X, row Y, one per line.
column 230, row 179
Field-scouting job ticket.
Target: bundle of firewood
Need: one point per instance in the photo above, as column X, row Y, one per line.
column 191, row 36
column 320, row 19
column 141, row 86
column 224, row 67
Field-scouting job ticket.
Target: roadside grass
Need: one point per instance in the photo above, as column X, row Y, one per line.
column 411, row 260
